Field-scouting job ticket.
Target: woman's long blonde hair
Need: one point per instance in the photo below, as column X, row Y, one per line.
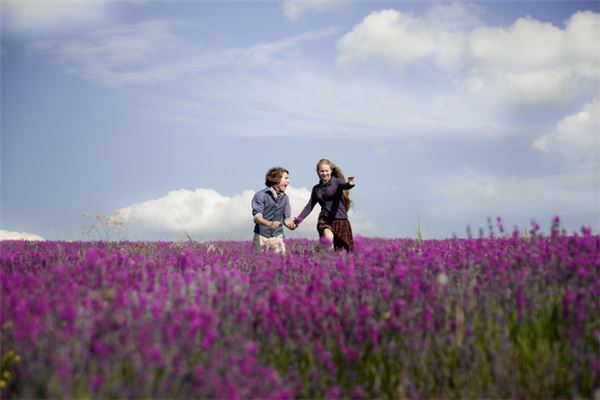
column 337, row 172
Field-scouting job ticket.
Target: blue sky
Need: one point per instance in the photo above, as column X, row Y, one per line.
column 169, row 113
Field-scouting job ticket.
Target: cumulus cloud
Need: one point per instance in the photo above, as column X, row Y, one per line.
column 457, row 16
column 543, row 86
column 488, row 70
column 389, row 35
column 399, row 39
column 576, row 137
column 529, row 44
column 201, row 213
column 526, row 44
column 529, row 63
column 24, row 16
column 205, row 214
column 295, row 9
column 534, row 63
column 10, row 235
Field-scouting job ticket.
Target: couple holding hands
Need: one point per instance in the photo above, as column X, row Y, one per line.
column 271, row 209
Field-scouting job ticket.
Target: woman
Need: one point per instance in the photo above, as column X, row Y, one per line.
column 331, row 193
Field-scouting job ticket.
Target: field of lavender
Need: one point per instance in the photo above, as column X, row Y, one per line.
column 500, row 316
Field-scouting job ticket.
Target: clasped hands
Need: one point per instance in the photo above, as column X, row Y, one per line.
column 291, row 225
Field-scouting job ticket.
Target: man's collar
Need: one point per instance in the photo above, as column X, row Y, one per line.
column 275, row 192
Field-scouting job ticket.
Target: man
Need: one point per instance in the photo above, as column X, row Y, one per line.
column 271, row 210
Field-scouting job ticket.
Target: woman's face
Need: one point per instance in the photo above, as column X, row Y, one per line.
column 324, row 172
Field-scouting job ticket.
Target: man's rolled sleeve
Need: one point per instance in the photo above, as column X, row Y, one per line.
column 258, row 204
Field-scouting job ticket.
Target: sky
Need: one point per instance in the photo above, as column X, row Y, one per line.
column 163, row 116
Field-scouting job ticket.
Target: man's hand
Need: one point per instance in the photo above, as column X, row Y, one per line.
column 274, row 224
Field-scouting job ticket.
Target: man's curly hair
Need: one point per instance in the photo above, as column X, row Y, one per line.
column 273, row 176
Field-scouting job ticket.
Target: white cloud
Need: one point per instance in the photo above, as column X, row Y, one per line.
column 474, row 192
column 24, row 16
column 259, row 55
column 10, row 235
column 201, row 213
column 534, row 63
column 301, row 101
column 205, row 214
column 270, row 92
column 473, row 196
column 531, row 45
column 576, row 137
column 399, row 38
column 542, row 86
column 526, row 44
column 457, row 16
column 295, row 9
column 581, row 37
column 134, row 54
column 150, row 52
column 450, row 48
column 389, row 35
column 529, row 63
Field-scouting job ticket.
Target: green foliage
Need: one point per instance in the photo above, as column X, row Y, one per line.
column 541, row 352
column 535, row 352
column 502, row 318
column 419, row 232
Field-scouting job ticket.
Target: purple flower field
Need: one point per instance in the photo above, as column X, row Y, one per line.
column 501, row 316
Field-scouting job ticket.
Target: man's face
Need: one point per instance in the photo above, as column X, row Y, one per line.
column 283, row 183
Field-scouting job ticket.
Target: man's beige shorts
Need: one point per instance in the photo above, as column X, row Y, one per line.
column 275, row 243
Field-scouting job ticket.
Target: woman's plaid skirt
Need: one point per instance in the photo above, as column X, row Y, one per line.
column 342, row 232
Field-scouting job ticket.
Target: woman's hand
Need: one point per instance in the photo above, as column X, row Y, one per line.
column 290, row 225
column 351, row 180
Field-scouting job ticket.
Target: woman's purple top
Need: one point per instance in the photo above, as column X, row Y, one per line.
column 329, row 197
